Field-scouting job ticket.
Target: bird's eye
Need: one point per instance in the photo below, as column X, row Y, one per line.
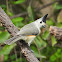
column 41, row 22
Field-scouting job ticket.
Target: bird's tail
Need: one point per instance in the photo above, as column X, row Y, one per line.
column 12, row 40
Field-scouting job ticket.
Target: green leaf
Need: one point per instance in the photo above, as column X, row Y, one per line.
column 50, row 22
column 36, row 52
column 58, row 6
column 45, row 35
column 59, row 25
column 18, row 21
column 4, row 36
column 38, row 42
column 39, row 56
column 6, row 49
column 12, row 57
column 30, row 13
column 3, row 6
column 6, row 57
column 10, row 13
column 52, row 58
column 42, row 42
column 34, row 49
column 59, row 18
column 53, row 39
column 56, row 55
column 19, row 1
column 2, row 28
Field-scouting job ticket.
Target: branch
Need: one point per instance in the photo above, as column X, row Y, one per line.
column 7, row 23
column 35, row 10
column 57, row 32
column 18, row 15
column 44, row 6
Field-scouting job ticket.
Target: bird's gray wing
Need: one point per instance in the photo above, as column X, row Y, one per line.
column 29, row 29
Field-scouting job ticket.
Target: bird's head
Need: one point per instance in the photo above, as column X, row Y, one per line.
column 42, row 21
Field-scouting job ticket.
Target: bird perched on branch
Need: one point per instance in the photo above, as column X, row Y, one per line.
column 29, row 31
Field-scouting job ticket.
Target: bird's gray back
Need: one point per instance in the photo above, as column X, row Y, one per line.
column 29, row 29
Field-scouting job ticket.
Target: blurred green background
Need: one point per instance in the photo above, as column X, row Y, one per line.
column 22, row 12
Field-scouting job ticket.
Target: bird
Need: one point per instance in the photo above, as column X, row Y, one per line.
column 29, row 31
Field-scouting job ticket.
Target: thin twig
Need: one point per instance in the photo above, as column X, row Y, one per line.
column 15, row 53
column 38, row 49
column 18, row 15
column 7, row 6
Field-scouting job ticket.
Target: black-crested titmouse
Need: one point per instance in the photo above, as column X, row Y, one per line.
column 29, row 31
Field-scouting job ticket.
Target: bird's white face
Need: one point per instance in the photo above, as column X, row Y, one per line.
column 40, row 23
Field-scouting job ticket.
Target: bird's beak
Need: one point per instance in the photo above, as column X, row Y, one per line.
column 44, row 26
column 44, row 18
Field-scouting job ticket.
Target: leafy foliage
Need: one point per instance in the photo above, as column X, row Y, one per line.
column 30, row 13
column 56, row 55
column 4, row 36
column 53, row 40
column 19, row 1
column 18, row 21
column 6, row 50
column 58, row 6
